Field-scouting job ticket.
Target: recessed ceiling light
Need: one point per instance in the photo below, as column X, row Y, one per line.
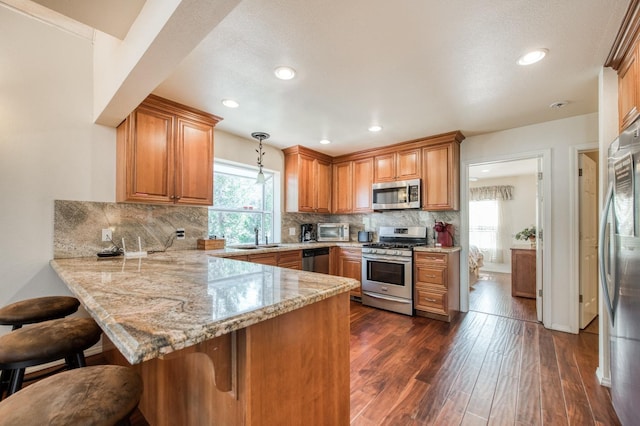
column 559, row 104
column 285, row 73
column 375, row 128
column 473, row 179
column 485, row 170
column 230, row 103
column 325, row 141
column 532, row 57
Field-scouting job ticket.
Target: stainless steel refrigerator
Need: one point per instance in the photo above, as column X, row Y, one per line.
column 619, row 257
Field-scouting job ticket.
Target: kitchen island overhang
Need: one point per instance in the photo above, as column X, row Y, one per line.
column 230, row 338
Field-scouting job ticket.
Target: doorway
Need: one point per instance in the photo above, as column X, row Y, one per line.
column 504, row 205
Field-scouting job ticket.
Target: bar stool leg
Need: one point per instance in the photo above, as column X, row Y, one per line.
column 17, row 377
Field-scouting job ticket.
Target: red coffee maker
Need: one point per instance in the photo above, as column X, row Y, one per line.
column 444, row 234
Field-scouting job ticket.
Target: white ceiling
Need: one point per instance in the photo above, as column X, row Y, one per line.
column 418, row 68
column 503, row 169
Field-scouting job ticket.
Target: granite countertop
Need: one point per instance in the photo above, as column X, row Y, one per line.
column 155, row 305
column 433, row 249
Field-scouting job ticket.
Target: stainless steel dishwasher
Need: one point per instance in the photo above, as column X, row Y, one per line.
column 316, row 260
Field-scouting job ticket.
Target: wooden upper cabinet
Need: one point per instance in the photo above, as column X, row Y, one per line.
column 441, row 177
column 362, row 181
column 628, row 90
column 307, row 180
column 400, row 165
column 623, row 58
column 342, row 187
column 164, row 154
column 352, row 186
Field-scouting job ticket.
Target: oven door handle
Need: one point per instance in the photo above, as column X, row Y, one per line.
column 388, row 258
column 389, row 298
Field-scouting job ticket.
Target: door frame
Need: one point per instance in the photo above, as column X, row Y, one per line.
column 546, row 260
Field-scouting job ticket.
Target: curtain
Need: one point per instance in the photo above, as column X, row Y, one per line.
column 489, row 224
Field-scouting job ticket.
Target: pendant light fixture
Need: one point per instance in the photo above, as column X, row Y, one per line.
column 260, row 136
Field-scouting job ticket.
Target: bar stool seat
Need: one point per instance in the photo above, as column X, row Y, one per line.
column 98, row 395
column 48, row 341
column 31, row 311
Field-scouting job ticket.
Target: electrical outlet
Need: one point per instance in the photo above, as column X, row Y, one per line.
column 180, row 234
column 292, row 231
column 107, row 234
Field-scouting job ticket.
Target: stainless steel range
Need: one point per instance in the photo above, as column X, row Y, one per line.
column 387, row 268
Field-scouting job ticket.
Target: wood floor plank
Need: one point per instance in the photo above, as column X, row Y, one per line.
column 503, row 409
column 553, row 408
column 577, row 403
column 491, row 294
column 529, row 407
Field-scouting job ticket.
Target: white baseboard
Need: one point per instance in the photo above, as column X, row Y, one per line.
column 604, row 381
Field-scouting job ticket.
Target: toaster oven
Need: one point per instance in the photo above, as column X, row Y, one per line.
column 332, row 232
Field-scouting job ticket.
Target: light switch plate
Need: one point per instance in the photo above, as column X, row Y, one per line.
column 292, row 231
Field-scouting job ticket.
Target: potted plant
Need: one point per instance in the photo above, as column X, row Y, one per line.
column 527, row 234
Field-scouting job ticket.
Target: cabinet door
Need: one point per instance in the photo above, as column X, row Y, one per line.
column 440, row 182
column 149, row 155
column 362, row 181
column 350, row 266
column 290, row 259
column 628, row 88
column 306, row 184
column 322, row 186
column 384, row 168
column 408, row 164
column 342, row 187
column 194, row 162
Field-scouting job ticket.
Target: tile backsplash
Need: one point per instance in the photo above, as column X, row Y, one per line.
column 78, row 227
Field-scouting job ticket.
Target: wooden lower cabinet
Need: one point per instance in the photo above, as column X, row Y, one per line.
column 437, row 284
column 264, row 258
column 523, row 272
column 290, row 369
column 348, row 264
column 290, row 259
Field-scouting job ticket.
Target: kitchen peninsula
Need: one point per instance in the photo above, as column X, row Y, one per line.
column 220, row 341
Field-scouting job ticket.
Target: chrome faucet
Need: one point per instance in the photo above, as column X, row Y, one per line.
column 256, row 230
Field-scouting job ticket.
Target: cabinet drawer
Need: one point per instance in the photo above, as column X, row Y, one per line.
column 434, row 258
column 428, row 275
column 431, row 301
column 264, row 259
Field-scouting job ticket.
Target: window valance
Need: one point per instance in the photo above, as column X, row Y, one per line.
column 498, row 192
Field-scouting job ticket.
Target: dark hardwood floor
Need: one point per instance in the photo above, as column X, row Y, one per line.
column 479, row 369
column 491, row 294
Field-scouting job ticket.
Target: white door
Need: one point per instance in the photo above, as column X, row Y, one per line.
column 588, row 240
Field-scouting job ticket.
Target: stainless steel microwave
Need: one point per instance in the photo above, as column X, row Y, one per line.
column 403, row 194
column 332, row 232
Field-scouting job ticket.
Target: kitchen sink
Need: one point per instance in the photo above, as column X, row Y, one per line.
column 253, row 246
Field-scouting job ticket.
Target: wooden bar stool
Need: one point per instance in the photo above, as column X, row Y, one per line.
column 48, row 341
column 31, row 311
column 96, row 396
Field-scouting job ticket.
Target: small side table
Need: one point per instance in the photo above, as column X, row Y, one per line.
column 523, row 272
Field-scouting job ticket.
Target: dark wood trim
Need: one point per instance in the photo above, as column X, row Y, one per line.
column 626, row 37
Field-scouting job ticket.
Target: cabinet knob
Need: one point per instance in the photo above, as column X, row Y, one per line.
column 177, row 197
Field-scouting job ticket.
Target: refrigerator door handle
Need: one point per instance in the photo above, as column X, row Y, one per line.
column 602, row 251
